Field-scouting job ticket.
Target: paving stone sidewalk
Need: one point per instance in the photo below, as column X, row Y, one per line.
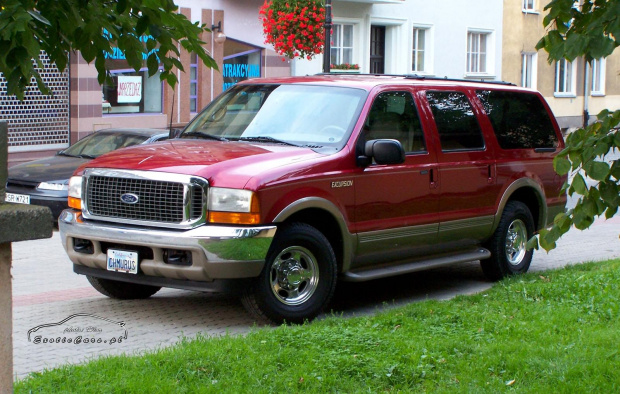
column 46, row 291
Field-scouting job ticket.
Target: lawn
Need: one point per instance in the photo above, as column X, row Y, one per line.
column 555, row 331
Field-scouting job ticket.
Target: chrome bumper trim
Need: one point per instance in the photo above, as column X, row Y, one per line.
column 218, row 252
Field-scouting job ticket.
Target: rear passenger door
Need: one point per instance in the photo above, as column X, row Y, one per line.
column 467, row 171
column 396, row 210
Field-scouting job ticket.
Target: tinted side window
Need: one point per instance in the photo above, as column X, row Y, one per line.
column 456, row 122
column 393, row 115
column 520, row 120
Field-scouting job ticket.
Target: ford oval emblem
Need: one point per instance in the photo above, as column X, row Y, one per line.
column 129, row 198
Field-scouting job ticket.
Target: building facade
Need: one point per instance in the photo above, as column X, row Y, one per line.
column 451, row 38
column 575, row 91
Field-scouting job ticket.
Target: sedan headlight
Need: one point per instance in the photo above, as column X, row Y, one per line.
column 75, row 192
column 233, row 206
column 52, row 186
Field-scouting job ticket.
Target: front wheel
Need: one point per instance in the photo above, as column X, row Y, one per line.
column 508, row 246
column 299, row 277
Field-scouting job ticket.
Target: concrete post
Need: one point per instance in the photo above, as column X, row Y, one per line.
column 17, row 223
column 6, row 308
column 6, row 322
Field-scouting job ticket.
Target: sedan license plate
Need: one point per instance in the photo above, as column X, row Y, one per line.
column 17, row 198
column 122, row 261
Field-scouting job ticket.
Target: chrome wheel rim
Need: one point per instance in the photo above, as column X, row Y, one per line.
column 516, row 242
column 294, row 275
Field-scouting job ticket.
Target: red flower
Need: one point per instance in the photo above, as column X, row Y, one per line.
column 292, row 29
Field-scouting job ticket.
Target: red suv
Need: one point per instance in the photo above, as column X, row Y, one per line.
column 282, row 187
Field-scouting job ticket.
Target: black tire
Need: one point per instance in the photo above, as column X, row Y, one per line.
column 298, row 280
column 508, row 246
column 122, row 290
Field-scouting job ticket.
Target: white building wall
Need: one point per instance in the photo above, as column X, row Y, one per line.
column 241, row 18
column 447, row 21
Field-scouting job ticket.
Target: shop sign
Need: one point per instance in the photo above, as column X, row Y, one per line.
column 234, row 73
column 129, row 89
column 117, row 54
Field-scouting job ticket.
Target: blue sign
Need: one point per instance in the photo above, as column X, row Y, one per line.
column 117, row 54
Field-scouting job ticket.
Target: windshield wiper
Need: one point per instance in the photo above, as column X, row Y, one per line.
column 203, row 135
column 262, row 138
column 81, row 156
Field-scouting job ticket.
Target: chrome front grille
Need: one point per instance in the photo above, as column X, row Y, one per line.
column 141, row 197
column 157, row 201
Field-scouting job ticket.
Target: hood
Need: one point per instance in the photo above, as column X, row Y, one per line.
column 229, row 164
column 55, row 168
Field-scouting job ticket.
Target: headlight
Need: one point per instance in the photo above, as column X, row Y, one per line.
column 229, row 200
column 233, row 206
column 75, row 192
column 52, row 186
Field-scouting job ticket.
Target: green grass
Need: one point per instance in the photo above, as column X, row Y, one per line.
column 557, row 331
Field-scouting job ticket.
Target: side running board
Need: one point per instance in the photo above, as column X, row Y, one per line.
column 418, row 265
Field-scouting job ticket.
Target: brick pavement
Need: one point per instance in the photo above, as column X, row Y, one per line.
column 45, row 290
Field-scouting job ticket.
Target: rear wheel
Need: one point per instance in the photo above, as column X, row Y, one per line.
column 508, row 246
column 122, row 290
column 299, row 277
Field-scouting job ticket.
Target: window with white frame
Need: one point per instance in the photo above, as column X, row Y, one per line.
column 477, row 52
column 529, row 69
column 598, row 77
column 564, row 79
column 342, row 44
column 529, row 5
column 419, row 50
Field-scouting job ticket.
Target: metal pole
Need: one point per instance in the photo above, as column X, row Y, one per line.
column 328, row 37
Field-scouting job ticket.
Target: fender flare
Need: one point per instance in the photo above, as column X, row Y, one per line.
column 348, row 240
column 521, row 183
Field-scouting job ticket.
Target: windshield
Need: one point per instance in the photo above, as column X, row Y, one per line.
column 97, row 144
column 313, row 116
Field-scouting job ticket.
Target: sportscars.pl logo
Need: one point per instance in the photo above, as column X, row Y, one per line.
column 78, row 329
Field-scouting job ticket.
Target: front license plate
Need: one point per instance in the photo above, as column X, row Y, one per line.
column 123, row 261
column 18, row 198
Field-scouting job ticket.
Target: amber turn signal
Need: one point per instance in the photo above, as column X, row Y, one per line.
column 75, row 203
column 234, row 218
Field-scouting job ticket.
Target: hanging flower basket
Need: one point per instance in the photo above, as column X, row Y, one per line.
column 295, row 28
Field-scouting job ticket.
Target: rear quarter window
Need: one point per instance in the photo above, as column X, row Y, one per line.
column 519, row 120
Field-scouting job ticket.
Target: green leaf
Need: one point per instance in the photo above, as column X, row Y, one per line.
column 121, row 6
column 597, row 170
column 37, row 15
column 579, row 185
column 547, row 239
column 609, row 193
column 561, row 165
column 589, row 207
column 532, row 243
column 611, row 211
column 601, row 149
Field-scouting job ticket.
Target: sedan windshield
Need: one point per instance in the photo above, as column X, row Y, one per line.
column 99, row 143
column 314, row 116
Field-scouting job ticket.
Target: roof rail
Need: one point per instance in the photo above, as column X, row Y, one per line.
column 420, row 77
column 424, row 77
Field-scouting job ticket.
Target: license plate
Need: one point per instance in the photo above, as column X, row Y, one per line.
column 18, row 198
column 122, row 261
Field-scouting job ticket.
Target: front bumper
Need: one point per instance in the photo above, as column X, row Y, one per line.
column 217, row 252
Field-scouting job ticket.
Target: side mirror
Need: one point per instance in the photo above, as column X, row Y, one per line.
column 174, row 133
column 385, row 151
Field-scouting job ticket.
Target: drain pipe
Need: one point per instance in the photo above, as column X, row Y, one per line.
column 328, row 37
